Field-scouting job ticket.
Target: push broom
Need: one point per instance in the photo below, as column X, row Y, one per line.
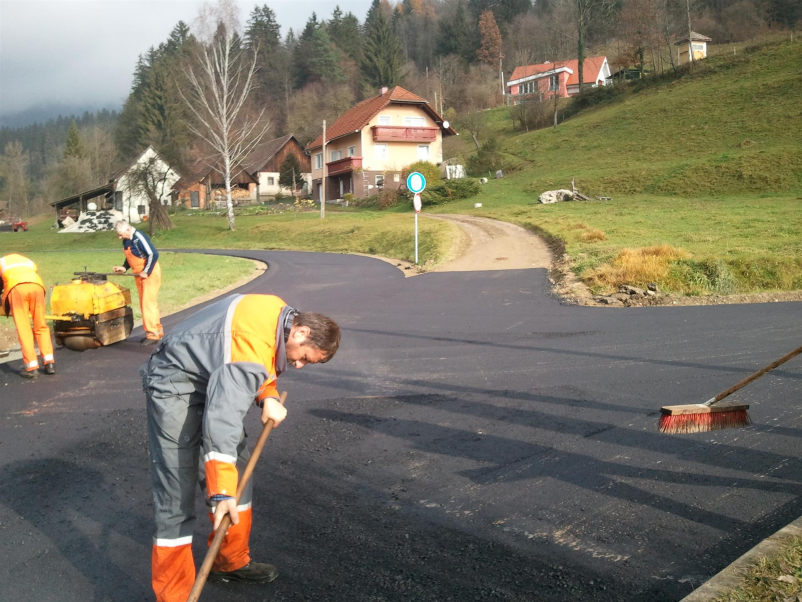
column 709, row 416
column 220, row 534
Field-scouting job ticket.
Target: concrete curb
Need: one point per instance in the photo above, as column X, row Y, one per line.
column 730, row 577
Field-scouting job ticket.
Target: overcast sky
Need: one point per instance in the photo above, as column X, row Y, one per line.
column 80, row 54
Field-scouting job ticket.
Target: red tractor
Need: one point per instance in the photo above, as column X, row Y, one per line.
column 13, row 224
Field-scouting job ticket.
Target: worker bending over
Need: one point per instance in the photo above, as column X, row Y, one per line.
column 199, row 382
column 23, row 297
column 143, row 259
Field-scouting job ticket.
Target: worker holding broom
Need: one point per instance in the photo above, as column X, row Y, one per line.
column 143, row 259
column 199, row 382
column 23, row 297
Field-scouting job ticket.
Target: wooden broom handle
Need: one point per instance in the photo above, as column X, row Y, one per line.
column 755, row 376
column 220, row 534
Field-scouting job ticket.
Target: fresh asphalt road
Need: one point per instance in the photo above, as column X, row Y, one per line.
column 472, row 440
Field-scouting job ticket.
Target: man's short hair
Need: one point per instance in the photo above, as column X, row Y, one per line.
column 121, row 226
column 323, row 332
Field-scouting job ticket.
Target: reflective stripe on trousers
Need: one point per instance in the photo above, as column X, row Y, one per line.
column 28, row 302
column 175, row 439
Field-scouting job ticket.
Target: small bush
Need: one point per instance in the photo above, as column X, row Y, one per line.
column 593, row 235
column 488, row 159
column 446, row 191
column 430, row 171
column 388, row 197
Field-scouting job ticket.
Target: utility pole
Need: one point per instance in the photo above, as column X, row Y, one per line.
column 428, row 91
column 690, row 33
column 323, row 179
column 440, row 80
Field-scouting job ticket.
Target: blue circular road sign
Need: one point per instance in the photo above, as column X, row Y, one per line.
column 416, row 183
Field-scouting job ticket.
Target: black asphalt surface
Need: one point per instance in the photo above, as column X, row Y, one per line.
column 472, row 440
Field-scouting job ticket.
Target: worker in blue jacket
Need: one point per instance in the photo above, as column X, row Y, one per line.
column 143, row 259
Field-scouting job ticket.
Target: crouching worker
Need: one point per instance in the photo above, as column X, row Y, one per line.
column 200, row 381
column 23, row 297
column 143, row 259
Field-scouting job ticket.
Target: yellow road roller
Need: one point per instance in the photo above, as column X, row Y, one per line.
column 90, row 311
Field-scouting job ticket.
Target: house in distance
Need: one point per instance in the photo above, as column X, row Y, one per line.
column 544, row 80
column 369, row 146
column 267, row 161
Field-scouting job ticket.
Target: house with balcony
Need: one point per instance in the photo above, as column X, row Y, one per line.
column 561, row 78
column 368, row 147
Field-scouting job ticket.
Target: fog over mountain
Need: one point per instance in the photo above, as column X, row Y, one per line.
column 64, row 57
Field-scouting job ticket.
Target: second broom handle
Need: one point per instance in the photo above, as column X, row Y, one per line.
column 757, row 374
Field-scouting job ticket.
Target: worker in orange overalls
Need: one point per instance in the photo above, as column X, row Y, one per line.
column 23, row 297
column 143, row 259
column 200, row 382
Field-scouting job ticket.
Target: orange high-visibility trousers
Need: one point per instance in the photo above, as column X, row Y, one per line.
column 149, row 302
column 28, row 301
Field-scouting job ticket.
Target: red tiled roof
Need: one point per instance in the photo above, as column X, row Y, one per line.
column 358, row 116
column 591, row 69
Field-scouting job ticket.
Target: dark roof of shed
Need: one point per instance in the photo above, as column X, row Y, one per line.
column 87, row 194
column 265, row 151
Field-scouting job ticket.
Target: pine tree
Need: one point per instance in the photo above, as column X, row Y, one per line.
column 490, row 50
column 323, row 63
column 455, row 36
column 383, row 60
column 344, row 31
column 178, row 37
column 302, row 54
column 263, row 31
column 289, row 175
column 75, row 146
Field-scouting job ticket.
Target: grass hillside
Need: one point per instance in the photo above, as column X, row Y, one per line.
column 705, row 165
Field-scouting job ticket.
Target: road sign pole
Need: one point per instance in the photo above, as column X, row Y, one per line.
column 416, row 183
column 416, row 239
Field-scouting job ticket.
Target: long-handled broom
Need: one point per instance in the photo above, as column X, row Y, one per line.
column 708, row 416
column 220, row 534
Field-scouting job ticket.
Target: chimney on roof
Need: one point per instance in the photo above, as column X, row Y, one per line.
column 383, row 91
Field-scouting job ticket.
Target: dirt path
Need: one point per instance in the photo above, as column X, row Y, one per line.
column 490, row 244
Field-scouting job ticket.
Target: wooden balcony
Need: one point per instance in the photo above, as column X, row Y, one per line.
column 343, row 165
column 399, row 133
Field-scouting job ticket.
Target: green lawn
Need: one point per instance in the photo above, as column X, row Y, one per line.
column 390, row 234
column 709, row 164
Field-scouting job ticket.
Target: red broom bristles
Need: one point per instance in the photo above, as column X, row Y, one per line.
column 703, row 422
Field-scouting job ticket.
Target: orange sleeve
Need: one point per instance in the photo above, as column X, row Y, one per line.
column 221, row 477
column 268, row 389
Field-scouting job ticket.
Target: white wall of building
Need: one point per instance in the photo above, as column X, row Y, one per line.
column 132, row 200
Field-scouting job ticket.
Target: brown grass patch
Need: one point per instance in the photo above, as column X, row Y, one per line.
column 580, row 226
column 593, row 235
column 636, row 267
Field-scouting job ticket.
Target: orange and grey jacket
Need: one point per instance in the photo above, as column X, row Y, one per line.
column 16, row 269
column 224, row 358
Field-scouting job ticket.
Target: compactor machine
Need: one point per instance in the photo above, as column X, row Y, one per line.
column 90, row 311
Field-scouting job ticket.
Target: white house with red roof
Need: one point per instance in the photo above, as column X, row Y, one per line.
column 560, row 78
column 369, row 146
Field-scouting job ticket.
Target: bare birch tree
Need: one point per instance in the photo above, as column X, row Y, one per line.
column 220, row 86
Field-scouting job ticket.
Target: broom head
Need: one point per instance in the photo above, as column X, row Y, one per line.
column 698, row 418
